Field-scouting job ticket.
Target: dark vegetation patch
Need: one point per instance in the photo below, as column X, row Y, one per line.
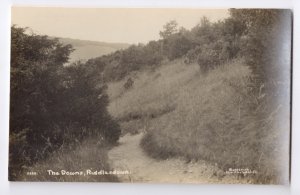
column 52, row 105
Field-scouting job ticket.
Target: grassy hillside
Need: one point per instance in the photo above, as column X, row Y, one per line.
column 197, row 116
column 85, row 50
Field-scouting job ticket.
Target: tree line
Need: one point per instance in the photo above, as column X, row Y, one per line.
column 251, row 34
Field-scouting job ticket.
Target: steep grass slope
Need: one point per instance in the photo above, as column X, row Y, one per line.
column 212, row 117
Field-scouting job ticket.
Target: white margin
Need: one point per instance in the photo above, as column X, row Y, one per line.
column 108, row 188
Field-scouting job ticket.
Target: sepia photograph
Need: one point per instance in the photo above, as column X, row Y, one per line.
column 150, row 95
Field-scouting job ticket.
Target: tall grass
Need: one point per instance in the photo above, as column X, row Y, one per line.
column 154, row 93
column 89, row 155
column 215, row 117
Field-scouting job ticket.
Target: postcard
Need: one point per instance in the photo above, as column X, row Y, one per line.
column 150, row 95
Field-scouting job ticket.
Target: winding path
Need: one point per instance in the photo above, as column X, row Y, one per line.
column 128, row 156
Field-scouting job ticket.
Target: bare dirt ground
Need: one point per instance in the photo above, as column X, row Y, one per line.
column 129, row 156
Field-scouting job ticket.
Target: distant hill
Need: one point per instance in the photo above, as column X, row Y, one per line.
column 85, row 49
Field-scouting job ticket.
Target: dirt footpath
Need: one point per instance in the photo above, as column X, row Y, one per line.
column 128, row 156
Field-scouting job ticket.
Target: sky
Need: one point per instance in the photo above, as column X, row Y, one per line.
column 122, row 25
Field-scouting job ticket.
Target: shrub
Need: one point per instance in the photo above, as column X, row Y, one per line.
column 84, row 104
column 192, row 55
column 176, row 46
column 212, row 55
column 208, row 58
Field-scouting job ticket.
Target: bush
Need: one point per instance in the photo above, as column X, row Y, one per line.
column 176, row 46
column 212, row 55
column 192, row 55
column 208, row 58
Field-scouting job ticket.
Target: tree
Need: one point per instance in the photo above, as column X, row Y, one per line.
column 169, row 29
column 177, row 45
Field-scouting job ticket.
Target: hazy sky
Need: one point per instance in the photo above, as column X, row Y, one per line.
column 108, row 24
